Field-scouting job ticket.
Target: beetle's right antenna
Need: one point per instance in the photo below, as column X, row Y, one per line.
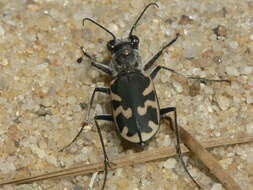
column 94, row 22
column 144, row 10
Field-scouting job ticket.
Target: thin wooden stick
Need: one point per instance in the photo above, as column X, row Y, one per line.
column 126, row 160
column 208, row 160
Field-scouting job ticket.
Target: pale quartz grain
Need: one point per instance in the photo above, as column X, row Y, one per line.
column 170, row 163
column 249, row 99
column 7, row 166
column 166, row 141
column 232, row 71
column 3, row 83
column 246, row 70
column 4, row 62
column 216, row 186
column 178, row 86
column 251, row 36
column 226, row 162
column 71, row 100
column 223, row 102
column 190, row 50
column 233, row 44
column 99, row 109
column 114, row 28
column 249, row 127
column 2, row 31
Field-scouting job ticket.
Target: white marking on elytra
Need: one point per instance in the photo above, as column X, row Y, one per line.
column 145, row 136
column 135, row 138
column 148, row 90
column 153, row 125
column 113, row 81
column 127, row 113
column 116, row 97
column 143, row 110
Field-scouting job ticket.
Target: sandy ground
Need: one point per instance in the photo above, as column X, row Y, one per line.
column 44, row 92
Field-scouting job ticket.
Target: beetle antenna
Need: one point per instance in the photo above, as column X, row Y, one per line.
column 144, row 10
column 94, row 22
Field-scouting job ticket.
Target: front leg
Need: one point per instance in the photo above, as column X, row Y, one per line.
column 101, row 66
column 158, row 54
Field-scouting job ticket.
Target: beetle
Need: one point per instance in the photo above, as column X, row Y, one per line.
column 135, row 107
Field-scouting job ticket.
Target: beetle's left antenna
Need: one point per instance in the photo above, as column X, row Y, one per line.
column 79, row 60
column 144, row 10
column 94, row 22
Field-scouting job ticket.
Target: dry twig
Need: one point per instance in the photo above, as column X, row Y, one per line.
column 209, row 161
column 135, row 158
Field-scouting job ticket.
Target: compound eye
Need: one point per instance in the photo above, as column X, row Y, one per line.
column 111, row 45
column 134, row 41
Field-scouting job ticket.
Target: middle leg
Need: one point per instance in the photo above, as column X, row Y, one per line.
column 203, row 80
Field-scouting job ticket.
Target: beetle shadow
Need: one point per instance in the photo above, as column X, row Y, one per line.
column 133, row 146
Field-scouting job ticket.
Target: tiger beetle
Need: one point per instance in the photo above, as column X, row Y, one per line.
column 135, row 107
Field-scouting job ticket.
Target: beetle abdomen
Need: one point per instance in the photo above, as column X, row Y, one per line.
column 135, row 107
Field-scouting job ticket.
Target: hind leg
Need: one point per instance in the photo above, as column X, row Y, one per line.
column 175, row 127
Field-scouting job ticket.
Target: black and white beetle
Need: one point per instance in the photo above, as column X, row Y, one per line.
column 136, row 111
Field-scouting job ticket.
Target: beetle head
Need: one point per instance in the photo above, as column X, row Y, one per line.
column 115, row 45
column 124, row 53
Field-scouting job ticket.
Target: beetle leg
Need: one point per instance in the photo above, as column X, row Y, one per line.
column 158, row 54
column 106, row 160
column 166, row 110
column 158, row 68
column 101, row 66
column 202, row 80
column 163, row 113
column 98, row 89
